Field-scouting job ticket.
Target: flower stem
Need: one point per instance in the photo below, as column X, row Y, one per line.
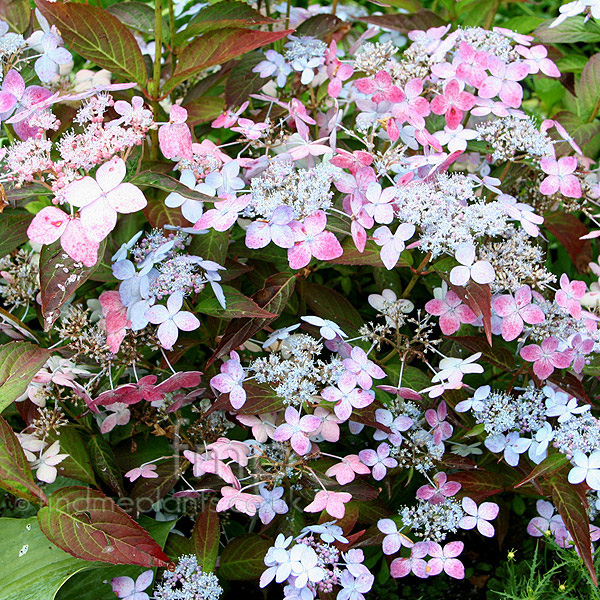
column 154, row 88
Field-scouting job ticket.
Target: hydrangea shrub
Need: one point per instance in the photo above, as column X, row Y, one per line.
column 303, row 297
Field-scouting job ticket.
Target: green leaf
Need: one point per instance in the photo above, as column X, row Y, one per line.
column 587, row 89
column 166, row 183
column 147, row 492
column 136, row 15
column 30, row 567
column 19, row 362
column 217, row 47
column 203, row 109
column 238, row 306
column 571, row 503
column 13, row 230
column 273, row 298
column 98, row 36
column 16, row 14
column 260, row 399
column 77, row 465
column 424, row 19
column 571, row 31
column 329, row 304
column 222, row 14
column 550, row 91
column 89, row 525
column 497, row 356
column 211, row 246
column 568, row 229
column 320, row 26
column 159, row 214
column 242, row 80
column 105, row 464
column 205, row 538
column 243, row 558
column 60, row 276
column 571, row 63
column 551, row 464
column 15, row 472
column 523, row 24
column 369, row 257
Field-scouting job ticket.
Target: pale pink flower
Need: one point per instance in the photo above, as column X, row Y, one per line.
column 450, row 309
column 331, row 502
column 401, row 567
column 229, row 117
column 51, row 223
column 393, row 244
column 381, row 87
column 170, row 319
column 217, row 467
column 120, row 416
column 536, row 59
column 127, row 589
column 570, row 294
column 444, row 559
column 337, row 71
column 224, row 214
column 14, row 96
column 329, row 429
column 230, row 381
column 311, row 239
column 480, row 271
column 116, row 322
column 347, row 396
column 145, row 472
column 262, row 425
column 45, row 465
column 560, row 176
column 436, row 419
column 516, row 311
column 260, row 233
column 394, row 539
column 225, row 448
column 502, row 81
column 472, row 64
column 346, row 470
column 547, row 521
column 245, row 503
column 379, row 461
column 102, row 198
column 363, row 368
column 379, row 204
column 175, row 138
column 580, row 347
column 453, row 103
column 250, row 129
column 478, row 516
column 546, row 358
column 443, row 489
column 296, row 429
column 414, row 107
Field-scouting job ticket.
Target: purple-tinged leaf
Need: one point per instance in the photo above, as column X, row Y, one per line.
column 205, row 538
column 15, row 473
column 89, row 525
column 19, row 362
column 60, row 276
column 98, row 36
